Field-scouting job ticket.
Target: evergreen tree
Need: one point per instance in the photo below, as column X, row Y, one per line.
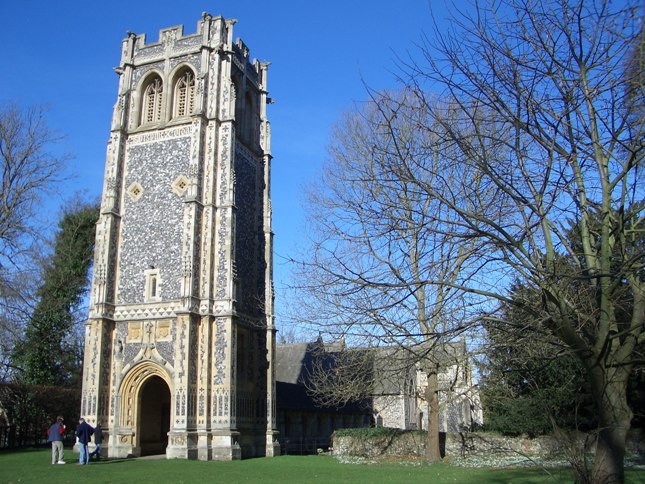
column 531, row 381
column 51, row 351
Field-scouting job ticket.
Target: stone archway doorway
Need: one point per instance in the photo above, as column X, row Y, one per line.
column 154, row 416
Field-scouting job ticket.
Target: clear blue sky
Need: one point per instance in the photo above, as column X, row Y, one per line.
column 61, row 53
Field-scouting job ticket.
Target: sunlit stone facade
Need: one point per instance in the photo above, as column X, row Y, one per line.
column 180, row 338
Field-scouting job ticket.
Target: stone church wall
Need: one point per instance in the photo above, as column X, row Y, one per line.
column 247, row 241
column 152, row 225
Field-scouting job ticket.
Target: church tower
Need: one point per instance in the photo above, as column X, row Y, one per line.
column 180, row 337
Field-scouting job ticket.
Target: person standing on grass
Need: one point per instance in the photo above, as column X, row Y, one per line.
column 98, row 440
column 55, row 434
column 84, row 433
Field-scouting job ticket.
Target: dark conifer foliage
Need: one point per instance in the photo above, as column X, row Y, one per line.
column 51, row 351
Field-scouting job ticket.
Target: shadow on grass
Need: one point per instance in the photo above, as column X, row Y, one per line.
column 109, row 461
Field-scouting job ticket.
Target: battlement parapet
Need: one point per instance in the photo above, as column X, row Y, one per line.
column 213, row 32
column 241, row 57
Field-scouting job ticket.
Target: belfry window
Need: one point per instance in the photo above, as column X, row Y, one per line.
column 184, row 94
column 152, row 101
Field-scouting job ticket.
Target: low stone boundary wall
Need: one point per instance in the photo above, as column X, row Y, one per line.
column 412, row 443
column 396, row 443
column 486, row 444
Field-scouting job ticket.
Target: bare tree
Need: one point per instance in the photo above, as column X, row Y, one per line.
column 29, row 168
column 539, row 108
column 341, row 377
column 375, row 273
column 17, row 299
column 515, row 154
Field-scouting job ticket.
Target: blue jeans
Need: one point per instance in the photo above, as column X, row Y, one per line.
column 96, row 452
column 84, row 456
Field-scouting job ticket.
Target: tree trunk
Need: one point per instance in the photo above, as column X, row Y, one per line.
column 433, row 450
column 609, row 387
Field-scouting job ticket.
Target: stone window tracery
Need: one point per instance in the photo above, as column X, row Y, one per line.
column 184, row 95
column 152, row 101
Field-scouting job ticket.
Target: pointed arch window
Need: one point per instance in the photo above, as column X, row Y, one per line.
column 152, row 101
column 184, row 94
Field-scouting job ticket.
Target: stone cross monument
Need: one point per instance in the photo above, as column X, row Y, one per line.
column 180, row 338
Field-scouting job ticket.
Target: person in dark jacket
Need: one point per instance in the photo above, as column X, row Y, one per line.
column 98, row 440
column 84, row 433
column 55, row 436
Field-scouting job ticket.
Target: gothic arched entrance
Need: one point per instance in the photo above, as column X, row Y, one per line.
column 154, row 416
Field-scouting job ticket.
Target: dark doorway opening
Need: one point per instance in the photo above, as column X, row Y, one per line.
column 154, row 416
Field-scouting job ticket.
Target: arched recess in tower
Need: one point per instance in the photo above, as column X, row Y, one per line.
column 154, row 416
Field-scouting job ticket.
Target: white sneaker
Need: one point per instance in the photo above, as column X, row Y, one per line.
column 61, row 462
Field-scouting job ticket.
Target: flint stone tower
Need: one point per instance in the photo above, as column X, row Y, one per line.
column 180, row 338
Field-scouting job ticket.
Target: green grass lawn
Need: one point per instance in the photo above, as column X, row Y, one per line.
column 34, row 466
